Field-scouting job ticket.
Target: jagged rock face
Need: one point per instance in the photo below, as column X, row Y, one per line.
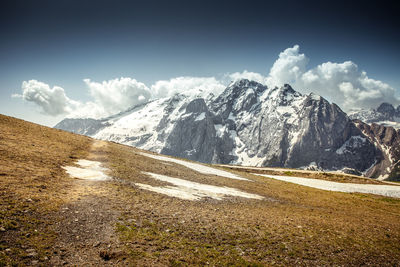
column 387, row 109
column 248, row 124
column 193, row 136
column 385, row 115
column 281, row 127
column 388, row 140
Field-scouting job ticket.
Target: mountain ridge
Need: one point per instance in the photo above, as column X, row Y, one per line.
column 250, row 124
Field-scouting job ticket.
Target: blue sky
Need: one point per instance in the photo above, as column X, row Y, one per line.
column 60, row 43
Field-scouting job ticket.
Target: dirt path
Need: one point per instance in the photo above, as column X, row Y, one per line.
column 86, row 235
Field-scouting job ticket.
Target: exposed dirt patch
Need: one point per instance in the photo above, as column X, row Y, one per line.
column 86, row 224
column 86, row 229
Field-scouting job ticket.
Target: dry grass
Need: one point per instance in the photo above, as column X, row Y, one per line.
column 32, row 185
column 293, row 225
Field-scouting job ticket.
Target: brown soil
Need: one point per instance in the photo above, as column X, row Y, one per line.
column 86, row 223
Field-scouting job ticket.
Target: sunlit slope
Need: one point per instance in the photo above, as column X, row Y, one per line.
column 139, row 217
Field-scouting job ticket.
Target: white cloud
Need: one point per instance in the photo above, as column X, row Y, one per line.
column 88, row 109
column 194, row 86
column 341, row 83
column 288, row 68
column 52, row 101
column 253, row 76
column 116, row 95
column 113, row 96
column 109, row 97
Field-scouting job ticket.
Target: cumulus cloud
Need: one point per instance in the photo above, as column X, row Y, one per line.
column 109, row 97
column 52, row 101
column 113, row 96
column 194, row 86
column 119, row 94
column 341, row 83
column 288, row 68
column 253, row 76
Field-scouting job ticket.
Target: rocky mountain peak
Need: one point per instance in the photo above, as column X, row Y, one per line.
column 249, row 124
column 197, row 106
column 287, row 89
column 386, row 109
column 239, row 87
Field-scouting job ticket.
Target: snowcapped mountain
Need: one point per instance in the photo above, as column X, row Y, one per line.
column 250, row 124
column 386, row 114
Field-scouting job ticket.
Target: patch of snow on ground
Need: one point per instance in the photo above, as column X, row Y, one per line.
column 191, row 190
column 195, row 166
column 294, row 137
column 285, row 110
column 383, row 190
column 393, row 124
column 219, row 130
column 231, row 117
column 90, row 170
column 201, row 117
column 240, row 151
column 386, row 150
column 315, row 97
column 354, row 141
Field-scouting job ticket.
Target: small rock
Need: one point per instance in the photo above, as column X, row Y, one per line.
column 2, row 229
column 96, row 244
column 8, row 249
column 107, row 255
column 34, row 262
column 31, row 252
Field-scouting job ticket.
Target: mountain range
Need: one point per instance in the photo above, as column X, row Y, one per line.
column 251, row 124
column 386, row 114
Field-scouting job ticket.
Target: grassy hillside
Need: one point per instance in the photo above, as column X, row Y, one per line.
column 49, row 218
column 32, row 186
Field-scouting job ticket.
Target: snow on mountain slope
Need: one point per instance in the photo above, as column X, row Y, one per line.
column 385, row 115
column 247, row 124
column 145, row 126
